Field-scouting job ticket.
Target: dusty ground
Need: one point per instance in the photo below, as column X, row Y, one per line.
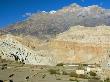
column 28, row 73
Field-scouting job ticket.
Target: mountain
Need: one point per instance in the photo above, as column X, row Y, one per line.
column 79, row 44
column 73, row 34
column 83, row 45
column 46, row 25
column 12, row 48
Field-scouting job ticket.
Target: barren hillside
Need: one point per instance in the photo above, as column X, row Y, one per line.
column 79, row 44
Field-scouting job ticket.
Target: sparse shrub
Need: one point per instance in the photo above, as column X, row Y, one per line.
column 80, row 66
column 92, row 73
column 16, row 58
column 60, row 64
column 27, row 78
column 43, row 76
column 85, row 64
column 58, row 79
column 73, row 80
column 11, row 81
column 54, row 71
column 64, row 73
column 96, row 78
column 3, row 60
column 11, row 75
column 4, row 66
column 83, row 76
column 73, row 74
column 107, row 80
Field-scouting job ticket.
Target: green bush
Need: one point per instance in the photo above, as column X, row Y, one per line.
column 85, row 64
column 60, row 64
column 64, row 73
column 92, row 73
column 54, row 71
column 107, row 80
column 73, row 74
column 73, row 80
column 96, row 78
column 80, row 66
column 58, row 79
column 3, row 60
column 83, row 76
column 4, row 66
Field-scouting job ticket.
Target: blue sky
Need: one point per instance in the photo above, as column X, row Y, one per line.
column 12, row 11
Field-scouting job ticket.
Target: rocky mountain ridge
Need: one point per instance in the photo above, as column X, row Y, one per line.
column 73, row 34
column 47, row 25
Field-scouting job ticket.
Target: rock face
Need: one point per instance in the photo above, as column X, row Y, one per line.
column 77, row 45
column 12, row 49
column 48, row 38
column 83, row 44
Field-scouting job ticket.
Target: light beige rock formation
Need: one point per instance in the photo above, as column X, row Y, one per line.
column 77, row 45
column 12, row 49
column 83, row 45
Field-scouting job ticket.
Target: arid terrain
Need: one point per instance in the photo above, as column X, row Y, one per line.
column 83, row 49
column 18, row 72
column 72, row 44
column 79, row 44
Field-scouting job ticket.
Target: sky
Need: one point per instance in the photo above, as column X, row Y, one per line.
column 12, row 11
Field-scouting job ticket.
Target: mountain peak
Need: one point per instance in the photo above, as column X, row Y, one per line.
column 48, row 24
column 75, row 5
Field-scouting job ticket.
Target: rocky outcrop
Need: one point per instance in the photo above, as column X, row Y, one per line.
column 12, row 49
column 83, row 45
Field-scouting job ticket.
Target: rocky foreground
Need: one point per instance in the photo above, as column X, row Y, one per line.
column 19, row 72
